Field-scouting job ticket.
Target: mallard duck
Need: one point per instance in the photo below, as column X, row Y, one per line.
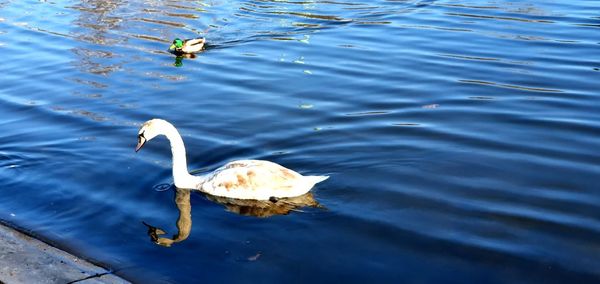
column 187, row 46
column 242, row 179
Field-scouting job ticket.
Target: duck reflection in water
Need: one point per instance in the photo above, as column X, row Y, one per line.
column 256, row 208
column 179, row 59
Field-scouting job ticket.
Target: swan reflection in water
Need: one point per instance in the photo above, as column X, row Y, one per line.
column 256, row 208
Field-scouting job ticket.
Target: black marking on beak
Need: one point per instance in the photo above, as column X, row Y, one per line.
column 141, row 142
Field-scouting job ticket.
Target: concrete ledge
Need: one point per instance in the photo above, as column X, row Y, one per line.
column 24, row 259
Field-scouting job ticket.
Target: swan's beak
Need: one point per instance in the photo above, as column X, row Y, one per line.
column 140, row 144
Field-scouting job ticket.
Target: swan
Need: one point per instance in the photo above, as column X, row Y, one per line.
column 242, row 179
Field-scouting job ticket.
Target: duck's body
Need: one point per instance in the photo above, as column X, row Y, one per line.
column 243, row 179
column 187, row 46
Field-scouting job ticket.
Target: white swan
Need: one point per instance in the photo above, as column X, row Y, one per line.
column 243, row 179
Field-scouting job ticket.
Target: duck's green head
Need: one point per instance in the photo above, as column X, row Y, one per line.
column 177, row 44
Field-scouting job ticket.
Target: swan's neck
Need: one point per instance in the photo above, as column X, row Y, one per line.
column 181, row 176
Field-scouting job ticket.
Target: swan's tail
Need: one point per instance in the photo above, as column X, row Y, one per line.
column 316, row 179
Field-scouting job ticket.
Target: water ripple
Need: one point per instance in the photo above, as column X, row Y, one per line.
column 460, row 137
column 524, row 88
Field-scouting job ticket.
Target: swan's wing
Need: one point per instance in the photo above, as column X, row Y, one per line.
column 254, row 179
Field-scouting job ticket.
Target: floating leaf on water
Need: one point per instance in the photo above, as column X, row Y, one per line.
column 254, row 257
column 306, row 106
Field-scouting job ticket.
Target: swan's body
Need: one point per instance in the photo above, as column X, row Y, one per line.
column 243, row 179
column 187, row 46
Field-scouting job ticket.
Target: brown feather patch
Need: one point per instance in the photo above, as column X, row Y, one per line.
column 287, row 173
column 241, row 181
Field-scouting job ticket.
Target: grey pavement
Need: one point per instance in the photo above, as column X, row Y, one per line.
column 24, row 259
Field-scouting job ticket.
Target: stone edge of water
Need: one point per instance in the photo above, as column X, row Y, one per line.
column 25, row 259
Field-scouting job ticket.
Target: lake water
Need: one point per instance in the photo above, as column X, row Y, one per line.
column 461, row 136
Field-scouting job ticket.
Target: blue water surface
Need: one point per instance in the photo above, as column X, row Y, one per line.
column 461, row 137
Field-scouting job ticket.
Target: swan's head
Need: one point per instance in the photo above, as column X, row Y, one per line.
column 149, row 130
